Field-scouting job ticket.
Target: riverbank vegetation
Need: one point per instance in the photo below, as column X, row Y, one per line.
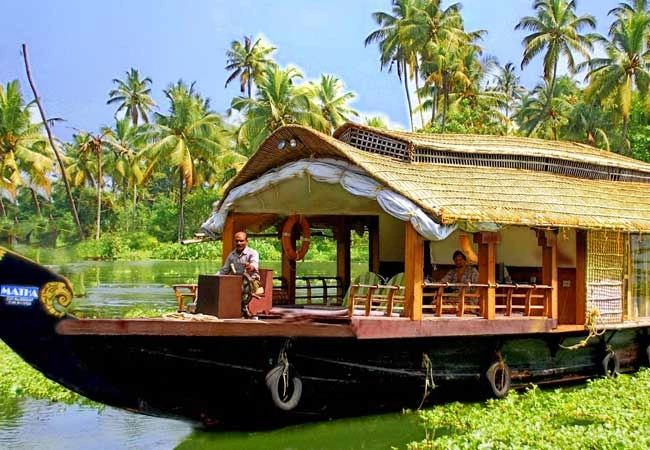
column 156, row 170
column 139, row 246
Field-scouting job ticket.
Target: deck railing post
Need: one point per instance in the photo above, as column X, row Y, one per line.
column 413, row 272
column 487, row 242
column 547, row 239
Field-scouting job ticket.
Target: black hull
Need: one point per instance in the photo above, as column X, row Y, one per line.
column 222, row 379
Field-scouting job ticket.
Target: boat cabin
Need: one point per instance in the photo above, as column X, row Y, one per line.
column 567, row 222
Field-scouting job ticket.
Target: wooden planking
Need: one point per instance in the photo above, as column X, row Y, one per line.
column 165, row 327
column 387, row 327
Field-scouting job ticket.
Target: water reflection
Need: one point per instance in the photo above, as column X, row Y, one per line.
column 373, row 432
column 40, row 424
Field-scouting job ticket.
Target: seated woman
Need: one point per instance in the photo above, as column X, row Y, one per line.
column 462, row 273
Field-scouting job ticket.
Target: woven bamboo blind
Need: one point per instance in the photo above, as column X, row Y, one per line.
column 640, row 276
column 605, row 264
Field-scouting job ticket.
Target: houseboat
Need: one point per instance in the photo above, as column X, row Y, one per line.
column 557, row 231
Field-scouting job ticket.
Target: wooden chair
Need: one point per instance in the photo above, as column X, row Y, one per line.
column 390, row 296
column 363, row 281
column 261, row 304
column 185, row 291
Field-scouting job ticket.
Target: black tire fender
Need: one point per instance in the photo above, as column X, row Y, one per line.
column 499, row 378
column 286, row 389
column 611, row 365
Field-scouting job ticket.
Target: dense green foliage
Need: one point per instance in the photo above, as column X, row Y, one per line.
column 606, row 414
column 158, row 174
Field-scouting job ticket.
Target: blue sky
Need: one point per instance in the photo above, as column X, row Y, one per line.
column 76, row 47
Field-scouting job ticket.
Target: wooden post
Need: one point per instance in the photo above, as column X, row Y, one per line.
column 413, row 270
column 581, row 276
column 342, row 235
column 547, row 239
column 289, row 271
column 487, row 242
column 373, row 244
column 227, row 238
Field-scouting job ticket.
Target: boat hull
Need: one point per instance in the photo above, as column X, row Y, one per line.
column 225, row 372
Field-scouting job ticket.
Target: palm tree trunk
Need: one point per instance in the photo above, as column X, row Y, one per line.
column 181, row 199
column 37, row 204
column 135, row 204
column 408, row 95
column 445, row 100
column 417, row 91
column 2, row 209
column 99, row 194
column 53, row 144
column 249, row 84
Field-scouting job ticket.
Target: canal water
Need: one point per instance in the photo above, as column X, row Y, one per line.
column 108, row 289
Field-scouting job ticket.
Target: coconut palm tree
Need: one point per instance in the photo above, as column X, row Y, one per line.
column 625, row 66
column 626, row 10
column 125, row 161
column 507, row 83
column 279, row 101
column 332, row 102
column 588, row 123
column 189, row 135
column 133, row 95
column 533, row 113
column 556, row 32
column 376, row 122
column 428, row 27
column 248, row 61
column 85, row 147
column 24, row 152
column 395, row 47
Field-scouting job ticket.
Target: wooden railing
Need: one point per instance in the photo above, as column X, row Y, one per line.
column 529, row 299
column 382, row 299
column 452, row 298
column 459, row 299
column 310, row 290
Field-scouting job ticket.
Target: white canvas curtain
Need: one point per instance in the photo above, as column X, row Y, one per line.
column 353, row 180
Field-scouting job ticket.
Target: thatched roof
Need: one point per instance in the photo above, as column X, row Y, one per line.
column 502, row 192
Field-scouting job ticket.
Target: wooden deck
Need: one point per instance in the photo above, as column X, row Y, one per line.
column 306, row 325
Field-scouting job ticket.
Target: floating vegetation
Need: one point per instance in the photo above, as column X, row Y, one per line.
column 608, row 413
column 19, row 379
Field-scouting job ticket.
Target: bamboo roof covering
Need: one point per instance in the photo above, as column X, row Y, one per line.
column 466, row 193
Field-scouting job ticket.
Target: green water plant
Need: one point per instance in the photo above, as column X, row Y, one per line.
column 19, row 379
column 609, row 413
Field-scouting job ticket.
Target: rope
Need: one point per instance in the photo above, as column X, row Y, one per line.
column 592, row 327
column 429, row 383
column 284, row 360
column 191, row 317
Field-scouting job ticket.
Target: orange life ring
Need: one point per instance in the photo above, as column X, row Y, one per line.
column 287, row 242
